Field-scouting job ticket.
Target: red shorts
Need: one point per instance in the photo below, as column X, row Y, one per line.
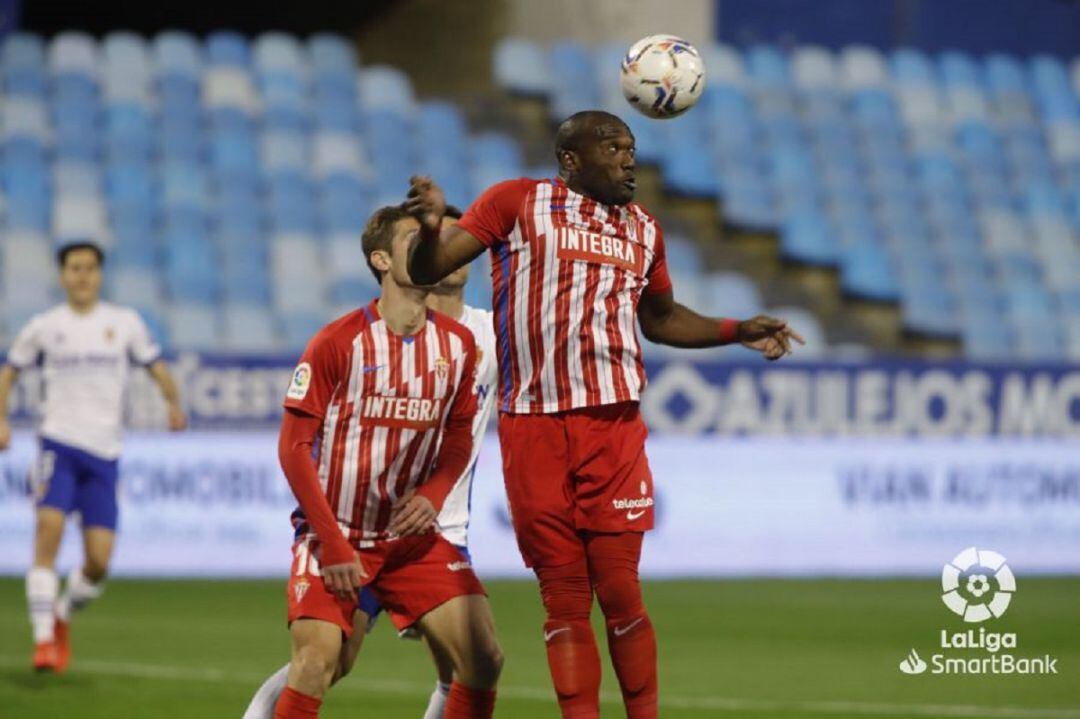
column 409, row 577
column 580, row 470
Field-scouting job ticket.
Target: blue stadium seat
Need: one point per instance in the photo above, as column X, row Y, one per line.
column 279, row 52
column 193, row 325
column 177, row 54
column 283, row 90
column 331, row 54
column 224, row 47
column 959, row 69
column 248, row 327
column 730, row 294
column 767, row 67
column 520, row 67
column 912, row 67
column 571, row 59
column 386, row 89
column 22, row 50
column 28, row 82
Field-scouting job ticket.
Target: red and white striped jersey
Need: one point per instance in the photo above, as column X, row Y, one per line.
column 384, row 400
column 567, row 273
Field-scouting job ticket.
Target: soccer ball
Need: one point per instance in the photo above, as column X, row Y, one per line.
column 662, row 76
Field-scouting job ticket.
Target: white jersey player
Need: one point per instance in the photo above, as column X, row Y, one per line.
column 85, row 348
column 453, row 519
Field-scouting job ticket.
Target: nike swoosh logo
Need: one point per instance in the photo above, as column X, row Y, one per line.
column 634, row 515
column 619, row 631
column 553, row 632
column 372, row 368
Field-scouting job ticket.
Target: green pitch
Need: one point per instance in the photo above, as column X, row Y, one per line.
column 757, row 649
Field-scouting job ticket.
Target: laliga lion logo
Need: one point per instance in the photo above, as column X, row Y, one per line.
column 973, row 599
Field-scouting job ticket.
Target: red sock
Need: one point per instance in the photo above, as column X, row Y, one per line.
column 572, row 655
column 294, row 705
column 613, row 563
column 466, row 703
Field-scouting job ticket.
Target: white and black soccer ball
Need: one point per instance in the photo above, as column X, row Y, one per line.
column 662, row 76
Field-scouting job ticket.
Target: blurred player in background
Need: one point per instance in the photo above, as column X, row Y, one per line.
column 575, row 263
column 85, row 347
column 453, row 521
column 388, row 393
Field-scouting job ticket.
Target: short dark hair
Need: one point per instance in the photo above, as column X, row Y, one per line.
column 67, row 249
column 453, row 212
column 575, row 128
column 379, row 233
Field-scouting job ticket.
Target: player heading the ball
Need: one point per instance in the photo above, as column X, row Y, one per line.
column 576, row 264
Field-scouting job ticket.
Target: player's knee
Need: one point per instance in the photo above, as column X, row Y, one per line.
column 620, row 596
column 566, row 591
column 485, row 665
column 95, row 570
column 314, row 666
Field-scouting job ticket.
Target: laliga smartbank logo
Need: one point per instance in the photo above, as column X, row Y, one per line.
column 978, row 586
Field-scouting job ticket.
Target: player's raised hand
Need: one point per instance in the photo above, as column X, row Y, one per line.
column 177, row 418
column 343, row 580
column 5, row 435
column 426, row 202
column 768, row 335
column 414, row 514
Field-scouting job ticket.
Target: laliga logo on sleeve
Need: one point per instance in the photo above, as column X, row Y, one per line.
column 967, row 585
column 301, row 380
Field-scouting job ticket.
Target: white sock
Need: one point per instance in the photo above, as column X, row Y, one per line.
column 437, row 705
column 41, row 587
column 78, row 592
column 262, row 704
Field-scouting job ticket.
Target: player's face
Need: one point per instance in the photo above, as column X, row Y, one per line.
column 81, row 276
column 399, row 251
column 456, row 279
column 607, row 165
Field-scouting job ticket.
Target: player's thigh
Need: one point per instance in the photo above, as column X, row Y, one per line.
column 98, row 543
column 95, row 493
column 54, row 477
column 537, row 475
column 444, row 663
column 48, row 533
column 613, row 485
column 462, row 631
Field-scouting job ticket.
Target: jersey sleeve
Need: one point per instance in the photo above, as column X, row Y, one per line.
column 658, row 281
column 316, row 377
column 26, row 348
column 141, row 345
column 491, row 218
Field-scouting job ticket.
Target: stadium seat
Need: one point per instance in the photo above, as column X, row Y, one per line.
column 248, row 328
column 812, row 68
column 177, row 54
column 225, row 47
column 193, row 326
column 520, row 67
column 384, row 88
column 22, row 51
column 331, row 54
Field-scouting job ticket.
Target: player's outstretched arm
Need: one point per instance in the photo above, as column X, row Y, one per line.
column 434, row 254
column 8, row 375
column 161, row 375
column 666, row 322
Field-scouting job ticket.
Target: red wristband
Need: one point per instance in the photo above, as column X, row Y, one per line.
column 729, row 331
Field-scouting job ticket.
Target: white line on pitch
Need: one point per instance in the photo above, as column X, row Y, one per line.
column 410, row 688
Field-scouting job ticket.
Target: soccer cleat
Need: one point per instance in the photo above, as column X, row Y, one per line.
column 63, row 645
column 46, row 657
